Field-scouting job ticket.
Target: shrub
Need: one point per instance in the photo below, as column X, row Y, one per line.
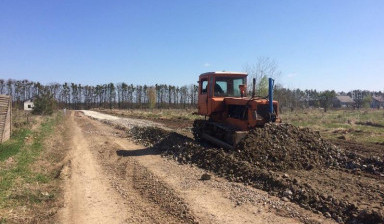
column 44, row 103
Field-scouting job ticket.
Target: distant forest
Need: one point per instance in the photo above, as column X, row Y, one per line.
column 129, row 96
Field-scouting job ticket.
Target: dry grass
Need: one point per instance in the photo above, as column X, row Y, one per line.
column 365, row 126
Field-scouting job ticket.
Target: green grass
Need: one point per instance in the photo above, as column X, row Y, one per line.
column 24, row 155
column 341, row 123
column 12, row 147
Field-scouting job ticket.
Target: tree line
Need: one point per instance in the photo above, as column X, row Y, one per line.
column 129, row 96
column 120, row 95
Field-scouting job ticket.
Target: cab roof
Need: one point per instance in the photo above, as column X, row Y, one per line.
column 224, row 73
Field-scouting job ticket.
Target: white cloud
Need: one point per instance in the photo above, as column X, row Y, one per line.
column 206, row 64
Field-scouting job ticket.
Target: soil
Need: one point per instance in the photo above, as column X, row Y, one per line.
column 366, row 149
column 330, row 186
column 112, row 179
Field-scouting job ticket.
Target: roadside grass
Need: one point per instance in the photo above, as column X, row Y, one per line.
column 22, row 185
column 12, row 147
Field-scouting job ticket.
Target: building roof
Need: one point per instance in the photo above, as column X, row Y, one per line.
column 345, row 99
column 378, row 98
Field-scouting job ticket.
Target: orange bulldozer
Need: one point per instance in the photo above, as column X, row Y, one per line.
column 229, row 112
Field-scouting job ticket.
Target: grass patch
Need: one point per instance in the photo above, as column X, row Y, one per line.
column 24, row 153
column 12, row 147
column 357, row 124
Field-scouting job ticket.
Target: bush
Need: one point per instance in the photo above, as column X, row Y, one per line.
column 44, row 103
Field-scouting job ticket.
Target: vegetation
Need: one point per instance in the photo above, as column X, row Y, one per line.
column 25, row 184
column 129, row 96
column 44, row 103
column 365, row 126
column 326, row 98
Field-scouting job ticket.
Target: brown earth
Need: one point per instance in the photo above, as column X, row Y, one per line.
column 366, row 149
column 344, row 182
column 111, row 179
column 345, row 195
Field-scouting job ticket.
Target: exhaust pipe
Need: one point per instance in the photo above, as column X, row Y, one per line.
column 253, row 87
column 272, row 115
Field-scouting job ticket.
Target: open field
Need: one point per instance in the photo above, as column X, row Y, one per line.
column 363, row 126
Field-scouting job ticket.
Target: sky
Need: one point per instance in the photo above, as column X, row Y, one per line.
column 327, row 44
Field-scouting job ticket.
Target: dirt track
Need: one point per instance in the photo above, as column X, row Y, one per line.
column 112, row 180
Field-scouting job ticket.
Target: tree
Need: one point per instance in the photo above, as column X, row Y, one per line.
column 326, row 98
column 367, row 100
column 152, row 97
column 264, row 68
column 44, row 103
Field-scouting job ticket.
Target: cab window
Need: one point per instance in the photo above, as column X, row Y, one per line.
column 228, row 86
column 204, row 84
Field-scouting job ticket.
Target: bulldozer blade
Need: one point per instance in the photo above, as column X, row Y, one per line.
column 217, row 141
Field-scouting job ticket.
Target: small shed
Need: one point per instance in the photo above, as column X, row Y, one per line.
column 377, row 102
column 343, row 101
column 5, row 118
column 28, row 104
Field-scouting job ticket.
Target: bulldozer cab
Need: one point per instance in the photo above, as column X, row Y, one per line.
column 214, row 86
column 222, row 98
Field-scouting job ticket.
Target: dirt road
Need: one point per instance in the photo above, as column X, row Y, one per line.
column 112, row 180
column 88, row 197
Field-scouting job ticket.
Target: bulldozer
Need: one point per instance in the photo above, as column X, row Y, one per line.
column 229, row 113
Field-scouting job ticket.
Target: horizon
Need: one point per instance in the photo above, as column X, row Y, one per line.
column 116, row 83
column 318, row 45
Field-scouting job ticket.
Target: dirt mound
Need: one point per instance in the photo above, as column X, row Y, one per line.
column 148, row 135
column 284, row 146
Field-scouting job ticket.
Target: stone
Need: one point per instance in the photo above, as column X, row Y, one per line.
column 205, row 176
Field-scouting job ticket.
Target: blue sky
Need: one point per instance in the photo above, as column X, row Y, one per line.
column 318, row 44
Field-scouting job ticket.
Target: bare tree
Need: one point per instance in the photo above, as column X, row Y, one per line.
column 264, row 68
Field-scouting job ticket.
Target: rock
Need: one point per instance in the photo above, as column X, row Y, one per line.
column 287, row 193
column 285, row 199
column 327, row 215
column 285, row 176
column 205, row 176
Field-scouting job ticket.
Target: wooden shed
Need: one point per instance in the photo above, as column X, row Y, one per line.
column 5, row 118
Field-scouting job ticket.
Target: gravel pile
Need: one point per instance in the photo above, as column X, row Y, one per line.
column 283, row 147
